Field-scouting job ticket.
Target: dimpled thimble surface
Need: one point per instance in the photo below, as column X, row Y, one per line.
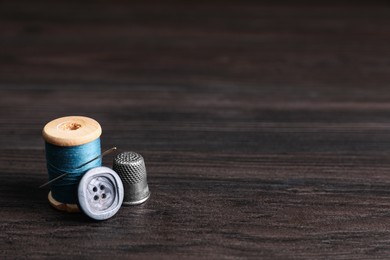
column 130, row 167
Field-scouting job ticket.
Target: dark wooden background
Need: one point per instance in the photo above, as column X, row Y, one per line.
column 265, row 126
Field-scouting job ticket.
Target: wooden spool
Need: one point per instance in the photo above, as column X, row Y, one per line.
column 70, row 131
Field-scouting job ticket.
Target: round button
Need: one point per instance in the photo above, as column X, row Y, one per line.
column 100, row 193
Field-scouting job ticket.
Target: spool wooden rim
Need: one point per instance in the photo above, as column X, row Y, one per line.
column 71, row 131
column 72, row 208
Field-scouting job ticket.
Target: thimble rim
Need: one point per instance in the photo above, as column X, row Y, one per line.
column 132, row 203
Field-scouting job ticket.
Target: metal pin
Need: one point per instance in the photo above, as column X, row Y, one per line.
column 81, row 166
column 97, row 157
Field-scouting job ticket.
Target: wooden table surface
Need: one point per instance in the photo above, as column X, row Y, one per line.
column 265, row 127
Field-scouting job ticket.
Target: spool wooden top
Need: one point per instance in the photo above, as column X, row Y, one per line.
column 71, row 131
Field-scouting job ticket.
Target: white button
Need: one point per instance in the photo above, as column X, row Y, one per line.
column 100, row 193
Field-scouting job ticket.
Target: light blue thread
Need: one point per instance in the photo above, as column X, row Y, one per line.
column 68, row 159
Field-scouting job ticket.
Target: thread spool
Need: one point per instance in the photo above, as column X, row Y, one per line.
column 70, row 142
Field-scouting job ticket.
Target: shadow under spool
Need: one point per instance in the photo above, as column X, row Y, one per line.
column 70, row 142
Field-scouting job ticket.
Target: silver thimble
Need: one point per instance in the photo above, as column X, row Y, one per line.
column 130, row 167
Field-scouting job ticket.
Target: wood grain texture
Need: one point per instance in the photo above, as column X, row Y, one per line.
column 71, row 131
column 264, row 126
